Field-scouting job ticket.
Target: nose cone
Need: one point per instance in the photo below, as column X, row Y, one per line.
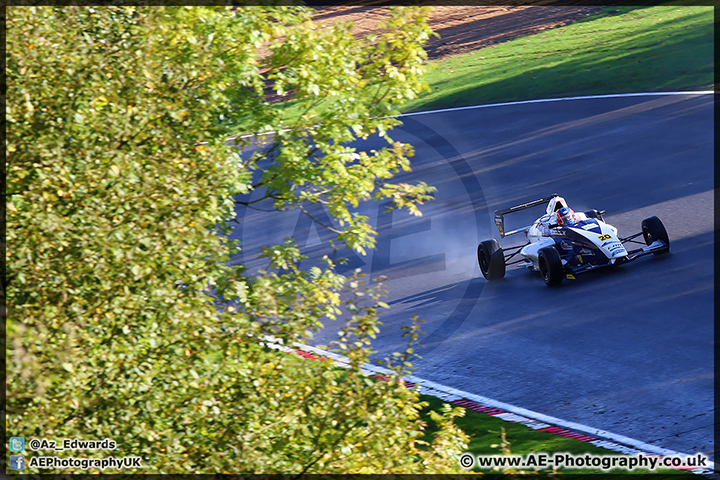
column 613, row 248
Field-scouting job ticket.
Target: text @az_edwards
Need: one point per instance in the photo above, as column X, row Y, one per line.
column 542, row 460
column 36, row 444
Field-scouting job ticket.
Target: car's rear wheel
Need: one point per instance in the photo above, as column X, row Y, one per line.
column 550, row 266
column 491, row 260
column 653, row 229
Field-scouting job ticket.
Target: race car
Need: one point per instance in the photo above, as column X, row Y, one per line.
column 563, row 243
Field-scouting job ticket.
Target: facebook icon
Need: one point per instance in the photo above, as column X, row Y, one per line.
column 17, row 462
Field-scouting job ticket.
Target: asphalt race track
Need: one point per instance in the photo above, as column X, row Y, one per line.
column 627, row 350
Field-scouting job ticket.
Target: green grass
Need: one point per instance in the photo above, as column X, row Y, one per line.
column 619, row 50
column 485, row 431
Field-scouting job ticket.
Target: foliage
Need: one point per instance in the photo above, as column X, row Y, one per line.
column 339, row 90
column 126, row 321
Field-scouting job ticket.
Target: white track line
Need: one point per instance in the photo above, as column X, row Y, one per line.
column 535, row 420
column 561, row 99
column 521, row 102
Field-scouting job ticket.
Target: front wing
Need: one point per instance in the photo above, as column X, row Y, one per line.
column 511, row 253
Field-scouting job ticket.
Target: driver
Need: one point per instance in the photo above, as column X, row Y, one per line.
column 566, row 216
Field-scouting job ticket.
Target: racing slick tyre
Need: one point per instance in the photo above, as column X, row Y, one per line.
column 653, row 229
column 550, row 266
column 594, row 214
column 491, row 260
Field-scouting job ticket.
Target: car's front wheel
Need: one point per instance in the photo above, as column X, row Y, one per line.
column 653, row 229
column 491, row 260
column 550, row 266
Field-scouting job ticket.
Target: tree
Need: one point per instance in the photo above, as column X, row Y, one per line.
column 125, row 321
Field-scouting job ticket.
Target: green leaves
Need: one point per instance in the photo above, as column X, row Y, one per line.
column 333, row 89
column 111, row 237
column 127, row 321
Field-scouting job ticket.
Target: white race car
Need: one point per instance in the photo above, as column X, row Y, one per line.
column 563, row 243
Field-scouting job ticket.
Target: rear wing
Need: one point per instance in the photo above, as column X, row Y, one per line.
column 500, row 221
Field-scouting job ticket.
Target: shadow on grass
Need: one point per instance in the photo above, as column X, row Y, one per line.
column 673, row 54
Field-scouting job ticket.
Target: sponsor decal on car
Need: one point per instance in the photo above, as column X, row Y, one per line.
column 500, row 224
column 618, row 252
column 566, row 244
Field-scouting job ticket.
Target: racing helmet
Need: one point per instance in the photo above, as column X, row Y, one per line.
column 566, row 216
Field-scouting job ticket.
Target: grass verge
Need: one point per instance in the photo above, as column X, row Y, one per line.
column 619, row 50
column 485, row 431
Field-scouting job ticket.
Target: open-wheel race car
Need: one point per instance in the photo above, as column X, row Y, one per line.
column 563, row 243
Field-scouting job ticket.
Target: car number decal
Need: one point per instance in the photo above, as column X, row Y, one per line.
column 604, row 237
